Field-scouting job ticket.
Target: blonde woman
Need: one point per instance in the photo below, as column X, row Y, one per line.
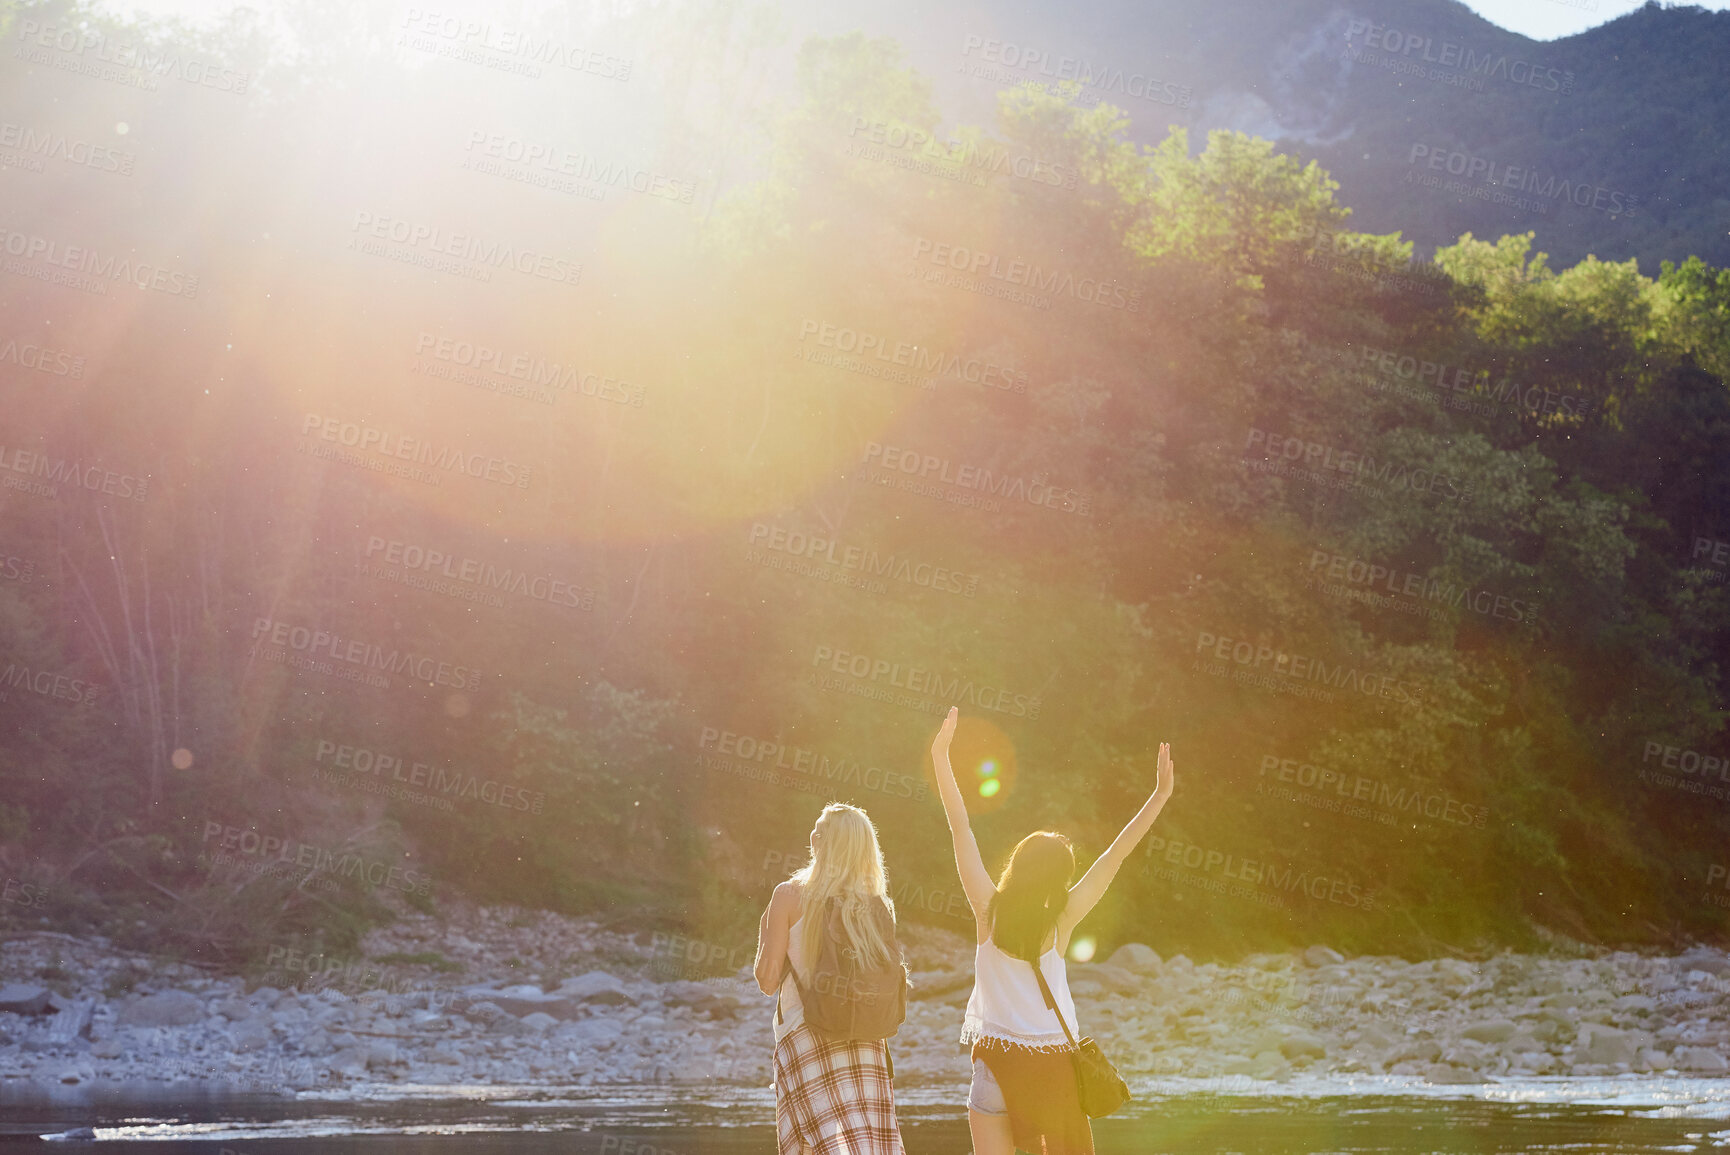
column 831, row 1098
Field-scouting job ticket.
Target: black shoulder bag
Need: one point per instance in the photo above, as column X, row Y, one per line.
column 1101, row 1088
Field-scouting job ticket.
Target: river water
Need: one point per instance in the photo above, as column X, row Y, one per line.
column 1575, row 1116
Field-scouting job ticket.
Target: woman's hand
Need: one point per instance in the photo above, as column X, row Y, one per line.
column 945, row 733
column 1086, row 893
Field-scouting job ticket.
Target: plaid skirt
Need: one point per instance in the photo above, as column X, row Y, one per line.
column 834, row 1098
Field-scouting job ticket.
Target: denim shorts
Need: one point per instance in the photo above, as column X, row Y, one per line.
column 985, row 1096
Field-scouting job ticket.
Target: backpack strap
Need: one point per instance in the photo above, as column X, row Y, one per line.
column 782, row 985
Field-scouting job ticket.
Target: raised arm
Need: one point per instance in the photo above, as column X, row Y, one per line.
column 975, row 879
column 1085, row 895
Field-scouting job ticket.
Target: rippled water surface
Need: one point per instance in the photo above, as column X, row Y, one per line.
column 1575, row 1116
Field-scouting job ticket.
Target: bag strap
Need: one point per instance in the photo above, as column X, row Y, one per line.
column 1051, row 1002
column 782, row 985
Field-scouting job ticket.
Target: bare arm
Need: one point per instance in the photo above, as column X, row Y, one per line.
column 1085, row 895
column 772, row 937
column 975, row 879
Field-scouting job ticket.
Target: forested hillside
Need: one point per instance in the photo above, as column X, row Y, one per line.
column 583, row 583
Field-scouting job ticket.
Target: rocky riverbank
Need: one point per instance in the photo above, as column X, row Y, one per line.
column 497, row 996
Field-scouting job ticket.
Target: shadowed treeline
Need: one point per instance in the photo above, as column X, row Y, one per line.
column 548, row 462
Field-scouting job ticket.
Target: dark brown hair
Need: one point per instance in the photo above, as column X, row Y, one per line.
column 1031, row 893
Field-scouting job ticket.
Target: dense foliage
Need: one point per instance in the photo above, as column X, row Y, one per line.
column 1280, row 496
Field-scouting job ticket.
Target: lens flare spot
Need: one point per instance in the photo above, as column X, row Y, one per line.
column 983, row 754
column 1081, row 949
column 181, row 759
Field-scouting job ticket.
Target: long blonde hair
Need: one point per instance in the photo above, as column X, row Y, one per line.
column 846, row 862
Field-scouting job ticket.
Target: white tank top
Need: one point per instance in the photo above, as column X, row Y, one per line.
column 1006, row 1004
column 792, row 1010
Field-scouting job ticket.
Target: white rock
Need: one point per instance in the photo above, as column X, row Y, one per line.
column 351, row 1061
column 252, row 1035
column 1378, row 1037
column 1700, row 1060
column 594, row 987
column 1136, row 957
column 484, row 1011
column 1303, row 1044
column 1321, row 956
column 1651, row 1060
column 24, row 999
column 1490, row 1031
column 167, row 1009
column 1606, row 1045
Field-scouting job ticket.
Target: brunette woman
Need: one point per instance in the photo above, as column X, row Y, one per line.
column 1024, row 1092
